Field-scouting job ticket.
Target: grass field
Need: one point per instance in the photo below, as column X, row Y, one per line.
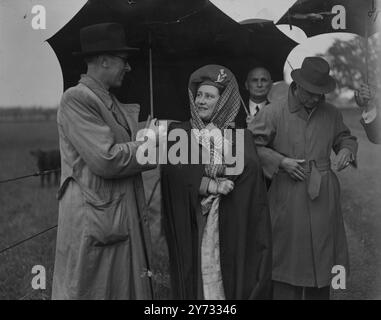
column 26, row 209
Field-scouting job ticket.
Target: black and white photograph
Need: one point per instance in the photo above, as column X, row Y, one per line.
column 216, row 150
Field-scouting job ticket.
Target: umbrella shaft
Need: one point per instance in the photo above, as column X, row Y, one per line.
column 366, row 52
column 150, row 80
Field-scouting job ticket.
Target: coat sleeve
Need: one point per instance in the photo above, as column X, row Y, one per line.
column 343, row 137
column 93, row 139
column 264, row 129
column 373, row 129
column 262, row 289
column 245, row 232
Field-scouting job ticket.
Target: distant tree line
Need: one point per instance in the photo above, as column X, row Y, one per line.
column 21, row 114
column 348, row 62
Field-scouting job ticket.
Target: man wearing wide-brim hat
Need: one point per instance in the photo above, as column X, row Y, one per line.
column 103, row 240
column 294, row 138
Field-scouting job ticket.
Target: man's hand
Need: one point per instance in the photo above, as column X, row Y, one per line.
column 154, row 133
column 293, row 168
column 249, row 119
column 363, row 96
column 343, row 159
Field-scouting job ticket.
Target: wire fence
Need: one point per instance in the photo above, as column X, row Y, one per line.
column 20, row 242
column 41, row 173
column 38, row 234
column 16, row 244
column 36, row 174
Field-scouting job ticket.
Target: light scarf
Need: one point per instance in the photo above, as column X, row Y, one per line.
column 226, row 110
column 224, row 113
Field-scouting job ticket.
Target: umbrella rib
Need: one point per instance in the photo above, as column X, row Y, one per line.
column 178, row 20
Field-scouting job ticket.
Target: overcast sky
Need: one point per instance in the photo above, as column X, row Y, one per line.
column 29, row 70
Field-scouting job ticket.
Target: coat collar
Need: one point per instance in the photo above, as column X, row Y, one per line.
column 261, row 104
column 294, row 104
column 98, row 88
column 126, row 117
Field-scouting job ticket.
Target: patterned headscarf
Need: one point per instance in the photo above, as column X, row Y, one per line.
column 224, row 113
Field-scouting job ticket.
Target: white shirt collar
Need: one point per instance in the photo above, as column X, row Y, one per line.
column 253, row 105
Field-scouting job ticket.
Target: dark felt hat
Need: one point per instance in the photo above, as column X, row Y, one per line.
column 103, row 38
column 213, row 75
column 314, row 76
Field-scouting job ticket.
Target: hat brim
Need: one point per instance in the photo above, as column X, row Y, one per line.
column 327, row 88
column 91, row 53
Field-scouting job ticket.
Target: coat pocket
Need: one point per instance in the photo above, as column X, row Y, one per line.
column 107, row 221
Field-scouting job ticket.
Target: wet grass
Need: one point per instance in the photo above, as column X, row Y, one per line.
column 25, row 209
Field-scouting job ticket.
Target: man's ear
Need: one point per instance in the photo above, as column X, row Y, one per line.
column 104, row 61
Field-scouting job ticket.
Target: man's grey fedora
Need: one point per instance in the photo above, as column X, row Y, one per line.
column 314, row 76
column 103, row 38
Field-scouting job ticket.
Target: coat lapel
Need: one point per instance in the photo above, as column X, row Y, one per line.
column 130, row 114
column 119, row 116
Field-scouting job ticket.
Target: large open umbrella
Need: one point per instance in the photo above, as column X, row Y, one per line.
column 315, row 17
column 175, row 37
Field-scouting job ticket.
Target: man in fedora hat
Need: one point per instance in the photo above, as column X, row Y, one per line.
column 103, row 240
column 294, row 138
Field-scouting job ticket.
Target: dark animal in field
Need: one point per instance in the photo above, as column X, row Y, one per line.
column 48, row 160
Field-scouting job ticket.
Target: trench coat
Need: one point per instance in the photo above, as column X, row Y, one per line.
column 103, row 243
column 244, row 227
column 307, row 223
column 373, row 129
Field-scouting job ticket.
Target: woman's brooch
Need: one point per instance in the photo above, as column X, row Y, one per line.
column 221, row 76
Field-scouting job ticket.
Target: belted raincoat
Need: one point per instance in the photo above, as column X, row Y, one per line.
column 307, row 222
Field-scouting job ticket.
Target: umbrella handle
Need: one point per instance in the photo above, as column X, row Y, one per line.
column 244, row 106
column 366, row 52
column 373, row 10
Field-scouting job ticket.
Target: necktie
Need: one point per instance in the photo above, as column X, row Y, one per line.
column 256, row 110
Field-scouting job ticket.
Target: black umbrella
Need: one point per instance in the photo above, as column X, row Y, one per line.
column 315, row 17
column 176, row 37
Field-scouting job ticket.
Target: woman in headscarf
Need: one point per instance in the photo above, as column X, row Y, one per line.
column 216, row 222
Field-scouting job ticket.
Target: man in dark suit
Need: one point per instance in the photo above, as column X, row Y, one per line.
column 371, row 121
column 258, row 83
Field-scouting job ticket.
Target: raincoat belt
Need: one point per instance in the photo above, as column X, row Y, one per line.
column 313, row 169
